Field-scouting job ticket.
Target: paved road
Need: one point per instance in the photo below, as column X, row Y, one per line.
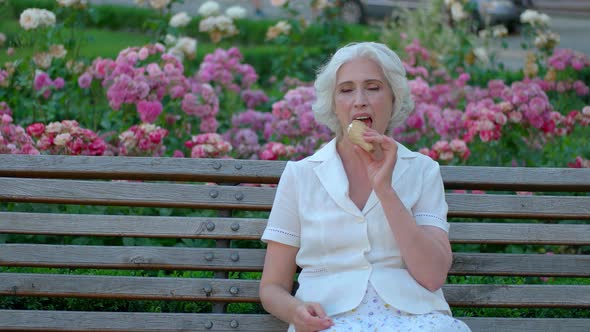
column 572, row 29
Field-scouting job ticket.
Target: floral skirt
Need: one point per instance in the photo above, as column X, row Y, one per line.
column 374, row 315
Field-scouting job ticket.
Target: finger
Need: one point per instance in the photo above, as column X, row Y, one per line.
column 376, row 138
column 320, row 318
column 365, row 156
column 377, row 154
column 318, row 324
column 318, row 310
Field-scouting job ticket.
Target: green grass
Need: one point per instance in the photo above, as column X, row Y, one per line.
column 99, row 42
column 108, row 43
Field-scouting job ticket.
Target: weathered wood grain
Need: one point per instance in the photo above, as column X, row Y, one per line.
column 131, row 226
column 239, row 290
column 252, row 228
column 224, row 259
column 261, row 198
column 22, row 320
column 132, row 257
column 562, row 296
column 494, row 324
column 239, row 171
column 81, row 180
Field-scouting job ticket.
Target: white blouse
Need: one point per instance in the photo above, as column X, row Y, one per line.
column 342, row 248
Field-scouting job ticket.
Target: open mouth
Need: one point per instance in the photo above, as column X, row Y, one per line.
column 367, row 120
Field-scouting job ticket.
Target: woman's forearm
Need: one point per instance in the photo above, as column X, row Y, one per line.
column 278, row 302
column 427, row 257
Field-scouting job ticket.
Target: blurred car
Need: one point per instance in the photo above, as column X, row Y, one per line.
column 485, row 12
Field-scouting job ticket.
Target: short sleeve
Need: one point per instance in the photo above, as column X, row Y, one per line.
column 431, row 208
column 283, row 223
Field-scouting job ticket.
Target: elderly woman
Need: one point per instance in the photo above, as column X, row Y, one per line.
column 368, row 229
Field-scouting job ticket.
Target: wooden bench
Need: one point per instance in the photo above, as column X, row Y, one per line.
column 46, row 198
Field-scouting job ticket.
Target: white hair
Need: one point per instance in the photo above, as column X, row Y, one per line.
column 393, row 70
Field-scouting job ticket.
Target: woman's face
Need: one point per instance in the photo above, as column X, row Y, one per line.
column 363, row 93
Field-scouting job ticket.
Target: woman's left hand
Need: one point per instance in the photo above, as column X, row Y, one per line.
column 381, row 162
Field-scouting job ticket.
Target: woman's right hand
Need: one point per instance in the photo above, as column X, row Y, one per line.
column 311, row 317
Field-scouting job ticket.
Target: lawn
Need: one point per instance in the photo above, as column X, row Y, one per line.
column 99, row 42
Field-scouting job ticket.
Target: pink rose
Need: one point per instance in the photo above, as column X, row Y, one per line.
column 36, row 129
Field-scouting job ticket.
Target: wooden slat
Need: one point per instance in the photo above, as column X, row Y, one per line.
column 516, row 178
column 164, row 258
column 135, row 194
column 175, row 258
column 130, row 288
column 251, row 228
column 24, row 320
column 142, row 168
column 260, row 198
column 533, row 233
column 256, row 171
column 550, row 296
column 131, row 226
column 520, row 265
column 494, row 324
column 512, row 206
column 554, row 296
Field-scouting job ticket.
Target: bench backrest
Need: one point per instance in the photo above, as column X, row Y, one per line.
column 209, row 215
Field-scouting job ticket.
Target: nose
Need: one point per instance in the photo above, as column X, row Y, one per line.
column 360, row 99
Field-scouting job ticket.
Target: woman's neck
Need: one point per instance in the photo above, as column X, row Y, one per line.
column 359, row 188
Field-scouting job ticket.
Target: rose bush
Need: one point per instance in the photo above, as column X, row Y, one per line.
column 146, row 102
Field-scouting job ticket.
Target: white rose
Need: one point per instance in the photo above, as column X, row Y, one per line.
column 62, row 139
column 223, row 22
column 499, row 31
column 53, row 127
column 169, row 40
column 481, row 54
column 207, row 24
column 180, row 20
column 72, row 3
column 457, row 12
column 29, row 19
column 185, row 46
column 67, row 3
column 159, row 4
column 46, row 18
column 128, row 139
column 544, row 19
column 42, row 60
column 484, row 33
column 209, row 8
column 529, row 16
column 235, row 12
column 278, row 3
column 57, row 51
column 148, row 127
column 284, row 27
